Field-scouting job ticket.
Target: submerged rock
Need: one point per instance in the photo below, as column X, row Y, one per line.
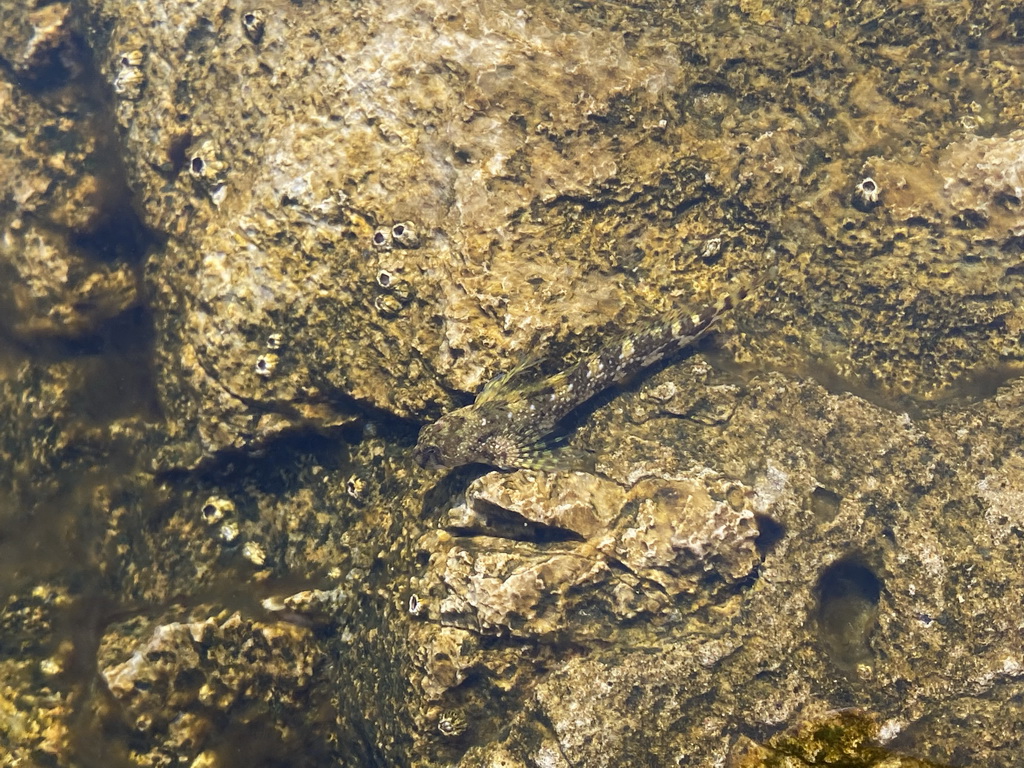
column 534, row 554
column 847, row 737
column 358, row 214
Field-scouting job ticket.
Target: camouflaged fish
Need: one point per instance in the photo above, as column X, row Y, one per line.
column 509, row 427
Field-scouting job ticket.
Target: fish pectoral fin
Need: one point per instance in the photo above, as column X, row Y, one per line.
column 552, row 455
column 499, row 385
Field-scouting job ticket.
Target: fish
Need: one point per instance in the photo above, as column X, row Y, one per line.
column 516, row 426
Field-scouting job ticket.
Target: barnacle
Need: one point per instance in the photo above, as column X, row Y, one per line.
column 382, row 239
column 133, row 58
column 355, row 487
column 275, row 341
column 129, row 82
column 405, row 235
column 398, row 288
column 452, row 723
column 255, row 24
column 208, row 169
column 415, row 606
column 254, row 553
column 215, row 509
column 388, row 305
column 865, row 194
column 229, row 532
column 711, row 248
column 265, row 365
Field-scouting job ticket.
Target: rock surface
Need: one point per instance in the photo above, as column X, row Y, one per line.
column 344, row 219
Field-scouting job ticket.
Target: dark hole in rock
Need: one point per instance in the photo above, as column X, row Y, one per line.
column 399, row 230
column 970, row 219
column 825, row 503
column 177, row 151
column 769, row 533
column 197, row 165
column 848, row 595
column 189, row 679
column 1007, row 200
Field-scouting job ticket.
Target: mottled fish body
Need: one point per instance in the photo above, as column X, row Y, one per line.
column 506, row 426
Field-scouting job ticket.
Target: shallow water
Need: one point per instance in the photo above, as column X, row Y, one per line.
column 867, row 400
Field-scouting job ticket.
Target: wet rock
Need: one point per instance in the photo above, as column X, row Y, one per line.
column 183, row 678
column 364, row 212
column 40, row 43
column 294, row 238
column 68, row 237
column 36, row 706
column 52, row 293
column 585, row 545
column 847, row 737
column 984, row 183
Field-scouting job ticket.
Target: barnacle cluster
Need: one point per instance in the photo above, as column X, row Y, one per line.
column 130, row 78
column 404, row 234
column 396, row 293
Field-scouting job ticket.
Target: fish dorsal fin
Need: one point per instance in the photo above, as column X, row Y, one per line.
column 499, row 386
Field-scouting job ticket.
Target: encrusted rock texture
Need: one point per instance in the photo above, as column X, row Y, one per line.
column 246, row 250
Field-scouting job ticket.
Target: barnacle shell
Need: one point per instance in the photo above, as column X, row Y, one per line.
column 388, row 305
column 215, row 509
column 452, row 723
column 255, row 24
column 129, row 82
column 382, row 239
column 405, row 235
column 355, row 487
column 254, row 553
column 229, row 532
column 133, row 58
column 265, row 365
column 865, row 194
column 206, row 166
